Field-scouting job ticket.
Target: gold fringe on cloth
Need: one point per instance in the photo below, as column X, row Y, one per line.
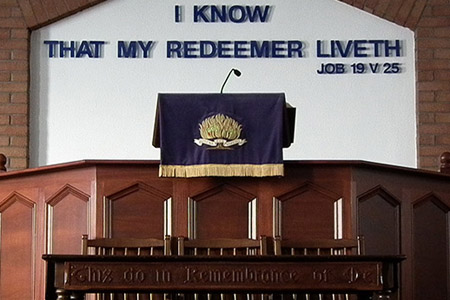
column 221, row 170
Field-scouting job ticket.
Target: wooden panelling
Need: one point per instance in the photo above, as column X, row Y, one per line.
column 137, row 211
column 386, row 204
column 17, row 223
column 377, row 206
column 68, row 219
column 307, row 212
column 431, row 248
column 222, row 212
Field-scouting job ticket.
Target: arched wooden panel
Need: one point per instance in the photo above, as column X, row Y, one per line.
column 431, row 248
column 308, row 211
column 379, row 221
column 138, row 211
column 17, row 247
column 68, row 219
column 221, row 212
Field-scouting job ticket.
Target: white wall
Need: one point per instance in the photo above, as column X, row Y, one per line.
column 103, row 108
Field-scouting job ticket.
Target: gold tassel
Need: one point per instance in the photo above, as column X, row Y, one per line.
column 221, row 170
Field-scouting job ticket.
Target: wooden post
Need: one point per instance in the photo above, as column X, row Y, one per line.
column 2, row 163
column 445, row 163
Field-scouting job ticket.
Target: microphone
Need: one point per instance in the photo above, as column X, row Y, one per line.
column 236, row 72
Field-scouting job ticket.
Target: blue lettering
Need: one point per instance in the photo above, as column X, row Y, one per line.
column 174, row 48
column 98, row 47
column 295, row 48
column 396, row 48
column 223, row 13
column 84, row 49
column 342, row 52
column 127, row 51
column 178, row 15
column 360, row 48
column 223, row 49
column 377, row 44
column 190, row 49
column 237, row 14
column 220, row 14
column 199, row 13
column 52, row 46
column 259, row 49
column 257, row 13
column 319, row 50
column 63, row 49
column 240, row 49
column 278, row 49
column 208, row 49
column 146, row 48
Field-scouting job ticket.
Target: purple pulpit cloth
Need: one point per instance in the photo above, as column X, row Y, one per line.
column 221, row 134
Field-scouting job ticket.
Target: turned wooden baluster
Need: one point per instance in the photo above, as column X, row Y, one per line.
column 445, row 163
column 2, row 163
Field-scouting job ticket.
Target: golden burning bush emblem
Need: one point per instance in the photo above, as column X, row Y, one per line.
column 220, row 132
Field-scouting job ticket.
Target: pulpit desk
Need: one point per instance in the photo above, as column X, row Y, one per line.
column 71, row 276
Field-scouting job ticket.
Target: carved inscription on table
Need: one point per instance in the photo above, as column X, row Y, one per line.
column 230, row 276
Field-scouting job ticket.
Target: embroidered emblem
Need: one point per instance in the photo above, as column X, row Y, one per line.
column 220, row 132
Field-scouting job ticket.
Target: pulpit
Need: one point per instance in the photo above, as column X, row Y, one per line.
column 399, row 211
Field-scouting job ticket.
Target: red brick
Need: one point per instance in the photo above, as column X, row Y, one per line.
column 5, row 34
column 442, row 53
column 434, row 107
column 415, row 14
column 4, row 97
column 19, row 76
column 39, row 12
column 14, row 130
column 433, row 129
column 13, row 151
column 8, row 3
column 381, row 7
column 429, row 163
column 441, row 10
column 442, row 75
column 4, row 141
column 13, row 87
column 12, row 23
column 19, row 34
column 443, row 140
column 433, row 64
column 27, row 12
column 19, row 55
column 425, row 75
column 426, row 117
column 424, row 43
column 16, row 163
column 442, row 32
column 442, row 96
column 5, row 55
column 443, row 118
column 16, row 65
column 425, row 86
column 427, row 139
column 5, row 76
column 19, row 98
column 11, row 44
column 404, row 11
column 19, row 141
column 435, row 21
column 426, row 96
column 4, row 119
column 19, row 120
column 435, row 151
column 13, row 109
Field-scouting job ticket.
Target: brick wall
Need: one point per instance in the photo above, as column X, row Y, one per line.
column 429, row 18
